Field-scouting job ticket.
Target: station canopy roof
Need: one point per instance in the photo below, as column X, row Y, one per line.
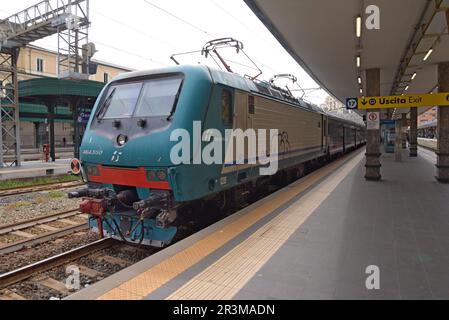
column 38, row 89
column 36, row 94
column 321, row 36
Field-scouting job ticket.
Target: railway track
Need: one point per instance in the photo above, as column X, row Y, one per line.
column 40, row 274
column 25, row 273
column 38, row 188
column 27, row 234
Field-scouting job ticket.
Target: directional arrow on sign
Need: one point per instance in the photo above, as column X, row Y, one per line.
column 364, row 102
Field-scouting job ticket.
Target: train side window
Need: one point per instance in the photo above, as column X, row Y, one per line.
column 251, row 105
column 226, row 107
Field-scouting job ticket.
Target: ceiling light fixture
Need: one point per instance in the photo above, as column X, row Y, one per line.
column 358, row 26
column 428, row 54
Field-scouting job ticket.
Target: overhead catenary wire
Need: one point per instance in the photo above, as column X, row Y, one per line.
column 131, row 53
column 171, row 45
column 249, row 29
column 205, row 31
column 168, row 44
column 51, row 47
column 179, row 18
column 198, row 28
column 254, row 33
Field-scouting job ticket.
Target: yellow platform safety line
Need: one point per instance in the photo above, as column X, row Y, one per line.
column 154, row 278
column 227, row 276
column 405, row 101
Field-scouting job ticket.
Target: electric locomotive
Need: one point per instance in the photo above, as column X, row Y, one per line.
column 135, row 193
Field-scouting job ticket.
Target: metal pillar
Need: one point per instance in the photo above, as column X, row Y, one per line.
column 413, row 132
column 9, row 107
column 373, row 154
column 74, row 105
column 73, row 40
column 404, row 131
column 51, row 119
column 443, row 126
column 398, row 141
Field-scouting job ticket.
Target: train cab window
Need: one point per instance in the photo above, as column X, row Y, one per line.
column 226, row 107
column 152, row 98
column 159, row 97
column 121, row 99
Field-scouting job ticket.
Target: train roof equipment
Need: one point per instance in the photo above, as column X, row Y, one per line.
column 227, row 76
column 262, row 88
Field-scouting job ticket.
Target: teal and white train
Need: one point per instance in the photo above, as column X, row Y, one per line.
column 134, row 191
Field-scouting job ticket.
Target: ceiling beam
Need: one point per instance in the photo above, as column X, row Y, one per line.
column 427, row 16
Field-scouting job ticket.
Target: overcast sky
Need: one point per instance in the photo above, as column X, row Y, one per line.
column 138, row 35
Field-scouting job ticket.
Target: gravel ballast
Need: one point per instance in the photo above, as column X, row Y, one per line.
column 15, row 209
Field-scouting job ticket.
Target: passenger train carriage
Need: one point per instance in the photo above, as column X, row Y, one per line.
column 136, row 194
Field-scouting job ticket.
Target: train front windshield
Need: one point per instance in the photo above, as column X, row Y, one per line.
column 141, row 99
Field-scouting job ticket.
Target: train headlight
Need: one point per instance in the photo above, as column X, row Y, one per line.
column 162, row 175
column 122, row 140
column 92, row 171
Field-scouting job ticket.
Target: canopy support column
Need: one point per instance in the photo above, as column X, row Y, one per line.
column 51, row 118
column 443, row 126
column 398, row 142
column 413, row 132
column 373, row 154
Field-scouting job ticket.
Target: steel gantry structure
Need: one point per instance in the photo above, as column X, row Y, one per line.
column 67, row 18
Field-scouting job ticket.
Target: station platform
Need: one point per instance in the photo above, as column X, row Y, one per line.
column 314, row 239
column 35, row 169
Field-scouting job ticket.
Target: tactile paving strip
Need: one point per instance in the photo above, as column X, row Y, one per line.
column 227, row 276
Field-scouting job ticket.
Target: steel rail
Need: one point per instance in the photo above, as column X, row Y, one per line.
column 38, row 221
column 21, row 274
column 46, row 237
column 37, row 188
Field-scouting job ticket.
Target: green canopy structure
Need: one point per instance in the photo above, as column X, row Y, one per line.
column 55, row 100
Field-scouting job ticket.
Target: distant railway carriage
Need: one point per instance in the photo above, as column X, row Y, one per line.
column 134, row 191
column 428, row 130
column 427, row 135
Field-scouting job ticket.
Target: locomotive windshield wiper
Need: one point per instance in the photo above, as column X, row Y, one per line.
column 175, row 103
column 106, row 104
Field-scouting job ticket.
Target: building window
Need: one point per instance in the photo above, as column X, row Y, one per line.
column 106, row 77
column 40, row 65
